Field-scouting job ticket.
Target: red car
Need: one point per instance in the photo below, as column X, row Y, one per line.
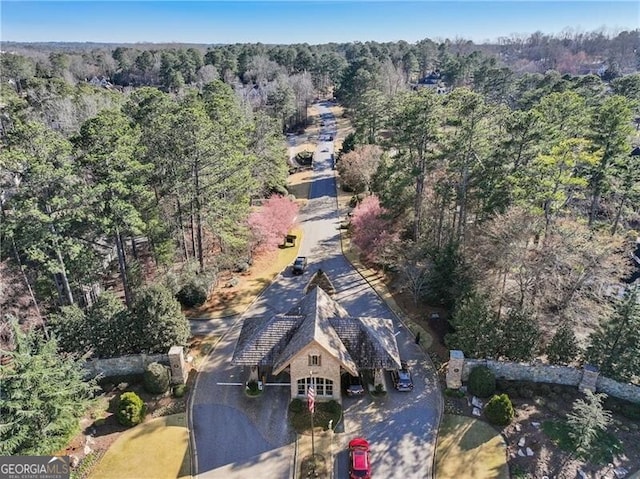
column 359, row 465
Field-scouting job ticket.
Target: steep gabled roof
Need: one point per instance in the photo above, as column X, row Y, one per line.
column 320, row 279
column 354, row 342
column 317, row 307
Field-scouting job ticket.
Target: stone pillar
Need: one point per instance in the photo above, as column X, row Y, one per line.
column 454, row 369
column 177, row 363
column 378, row 378
column 589, row 378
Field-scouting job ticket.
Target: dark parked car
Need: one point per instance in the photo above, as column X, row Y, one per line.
column 354, row 385
column 359, row 465
column 402, row 378
column 299, row 265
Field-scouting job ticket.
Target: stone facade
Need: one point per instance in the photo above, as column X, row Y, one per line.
column 544, row 373
column 178, row 366
column 539, row 373
column 455, row 369
column 123, row 365
column 325, row 366
column 613, row 388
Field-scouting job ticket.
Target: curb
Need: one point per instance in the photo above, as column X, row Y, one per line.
column 404, row 323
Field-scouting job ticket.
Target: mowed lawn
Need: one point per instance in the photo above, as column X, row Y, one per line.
column 468, row 448
column 157, row 449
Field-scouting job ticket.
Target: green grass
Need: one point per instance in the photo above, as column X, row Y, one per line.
column 156, row 449
column 301, row 421
column 468, row 448
column 602, row 451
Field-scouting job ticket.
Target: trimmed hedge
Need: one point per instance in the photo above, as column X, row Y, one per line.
column 156, row 378
column 482, row 382
column 296, row 405
column 499, row 410
column 131, row 409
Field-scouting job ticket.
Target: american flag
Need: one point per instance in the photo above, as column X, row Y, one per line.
column 311, row 399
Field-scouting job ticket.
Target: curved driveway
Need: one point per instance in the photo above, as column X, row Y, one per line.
column 237, row 436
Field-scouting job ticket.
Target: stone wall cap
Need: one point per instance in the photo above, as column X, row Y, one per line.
column 175, row 350
column 590, row 367
column 456, row 354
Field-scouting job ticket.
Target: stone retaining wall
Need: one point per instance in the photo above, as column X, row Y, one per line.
column 541, row 373
column 123, row 365
column 537, row 373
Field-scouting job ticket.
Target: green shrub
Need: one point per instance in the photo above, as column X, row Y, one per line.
column 379, row 388
column 252, row 388
column 499, row 410
column 631, row 411
column 191, row 295
column 333, row 407
column 179, row 390
column 544, row 389
column 156, row 378
column 482, row 382
column 131, row 409
column 296, row 405
column 456, row 393
column 356, row 200
column 525, row 392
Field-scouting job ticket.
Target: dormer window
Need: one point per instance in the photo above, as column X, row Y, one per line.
column 314, row 360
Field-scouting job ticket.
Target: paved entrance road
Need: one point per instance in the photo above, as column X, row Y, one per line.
column 236, row 436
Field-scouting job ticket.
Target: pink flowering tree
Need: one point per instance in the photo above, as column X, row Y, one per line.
column 371, row 232
column 270, row 224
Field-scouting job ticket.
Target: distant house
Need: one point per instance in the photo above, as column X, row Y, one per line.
column 433, row 80
column 316, row 342
column 101, row 82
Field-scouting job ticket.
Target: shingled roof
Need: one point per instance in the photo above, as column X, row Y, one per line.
column 357, row 343
column 321, row 279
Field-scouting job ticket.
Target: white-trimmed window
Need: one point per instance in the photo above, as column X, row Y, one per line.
column 324, row 387
column 315, row 360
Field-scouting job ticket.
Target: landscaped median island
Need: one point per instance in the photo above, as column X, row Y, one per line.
column 165, row 440
column 326, row 416
column 469, row 448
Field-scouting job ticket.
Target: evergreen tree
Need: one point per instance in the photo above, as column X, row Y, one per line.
column 520, row 336
column 563, row 347
column 157, row 320
column 43, row 395
column 586, row 420
column 476, row 329
column 615, row 346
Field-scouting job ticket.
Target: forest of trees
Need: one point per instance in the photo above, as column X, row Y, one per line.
column 512, row 200
column 513, row 193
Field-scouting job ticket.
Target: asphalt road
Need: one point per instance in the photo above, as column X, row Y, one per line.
column 236, row 436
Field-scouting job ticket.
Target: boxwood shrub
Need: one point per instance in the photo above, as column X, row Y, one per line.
column 156, row 378
column 131, row 409
column 499, row 410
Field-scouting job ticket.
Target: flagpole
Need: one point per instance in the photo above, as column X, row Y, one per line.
column 313, row 446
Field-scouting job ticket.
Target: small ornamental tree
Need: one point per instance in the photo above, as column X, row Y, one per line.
column 270, row 224
column 131, row 409
column 371, row 232
column 587, row 419
column 482, row 382
column 499, row 410
column 357, row 167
